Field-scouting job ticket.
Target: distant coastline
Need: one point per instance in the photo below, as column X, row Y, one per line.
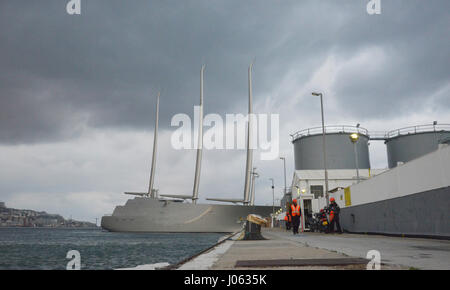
column 25, row 218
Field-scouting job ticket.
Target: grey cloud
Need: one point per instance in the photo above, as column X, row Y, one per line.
column 102, row 69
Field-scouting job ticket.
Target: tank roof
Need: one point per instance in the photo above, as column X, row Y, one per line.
column 418, row 129
column 373, row 135
column 332, row 129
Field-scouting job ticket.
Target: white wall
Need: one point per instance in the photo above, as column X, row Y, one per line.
column 428, row 172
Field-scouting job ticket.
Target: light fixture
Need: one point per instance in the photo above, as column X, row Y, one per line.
column 354, row 137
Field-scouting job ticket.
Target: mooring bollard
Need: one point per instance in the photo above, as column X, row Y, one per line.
column 253, row 227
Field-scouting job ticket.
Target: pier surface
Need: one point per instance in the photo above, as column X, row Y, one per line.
column 282, row 250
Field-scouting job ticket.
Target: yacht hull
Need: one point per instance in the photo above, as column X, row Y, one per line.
column 143, row 214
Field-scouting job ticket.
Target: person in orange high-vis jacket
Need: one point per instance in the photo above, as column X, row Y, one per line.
column 296, row 213
column 334, row 216
column 288, row 220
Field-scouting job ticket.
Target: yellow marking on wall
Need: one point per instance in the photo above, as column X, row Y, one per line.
column 198, row 217
column 348, row 196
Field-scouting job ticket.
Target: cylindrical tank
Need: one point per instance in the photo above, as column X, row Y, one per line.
column 340, row 151
column 409, row 143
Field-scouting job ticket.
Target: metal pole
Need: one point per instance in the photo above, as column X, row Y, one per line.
column 273, row 203
column 273, row 198
column 198, row 163
column 284, row 164
column 324, row 150
column 356, row 161
column 155, row 144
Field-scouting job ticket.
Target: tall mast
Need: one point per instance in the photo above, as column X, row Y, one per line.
column 151, row 192
column 248, row 168
column 198, row 163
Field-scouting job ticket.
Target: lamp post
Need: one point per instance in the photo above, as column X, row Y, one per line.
column 273, row 196
column 273, row 200
column 324, row 146
column 354, row 138
column 284, row 163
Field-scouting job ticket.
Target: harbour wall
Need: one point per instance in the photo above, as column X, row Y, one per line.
column 410, row 199
column 424, row 214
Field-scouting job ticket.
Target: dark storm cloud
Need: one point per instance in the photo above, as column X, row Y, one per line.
column 416, row 48
column 59, row 73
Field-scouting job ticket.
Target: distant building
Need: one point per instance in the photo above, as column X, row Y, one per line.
column 10, row 217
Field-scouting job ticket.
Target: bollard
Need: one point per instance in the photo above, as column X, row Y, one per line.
column 253, row 228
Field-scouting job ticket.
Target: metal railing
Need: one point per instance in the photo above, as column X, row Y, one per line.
column 377, row 135
column 418, row 129
column 373, row 135
column 329, row 129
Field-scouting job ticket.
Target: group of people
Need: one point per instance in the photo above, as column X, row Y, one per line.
column 293, row 214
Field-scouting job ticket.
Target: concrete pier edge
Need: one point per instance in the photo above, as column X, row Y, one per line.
column 184, row 261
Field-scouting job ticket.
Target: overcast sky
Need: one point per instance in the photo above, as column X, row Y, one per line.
column 77, row 92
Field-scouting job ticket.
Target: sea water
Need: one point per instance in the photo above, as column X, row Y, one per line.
column 46, row 248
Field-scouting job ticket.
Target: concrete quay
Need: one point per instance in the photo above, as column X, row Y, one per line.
column 282, row 250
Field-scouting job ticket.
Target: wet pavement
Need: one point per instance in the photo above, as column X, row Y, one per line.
column 283, row 250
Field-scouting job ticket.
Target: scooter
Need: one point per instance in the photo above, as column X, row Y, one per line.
column 314, row 222
column 325, row 220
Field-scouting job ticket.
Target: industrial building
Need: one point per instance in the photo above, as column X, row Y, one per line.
column 347, row 162
column 406, row 144
column 348, row 166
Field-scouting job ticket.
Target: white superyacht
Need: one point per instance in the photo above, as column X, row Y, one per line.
column 150, row 212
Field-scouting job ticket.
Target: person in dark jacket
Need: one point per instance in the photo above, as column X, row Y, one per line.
column 334, row 216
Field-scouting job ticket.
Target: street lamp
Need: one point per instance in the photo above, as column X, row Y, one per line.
column 273, row 200
column 354, row 138
column 273, row 196
column 302, row 190
column 284, row 162
column 324, row 145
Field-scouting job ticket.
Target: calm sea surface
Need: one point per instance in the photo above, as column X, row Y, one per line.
column 31, row 248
